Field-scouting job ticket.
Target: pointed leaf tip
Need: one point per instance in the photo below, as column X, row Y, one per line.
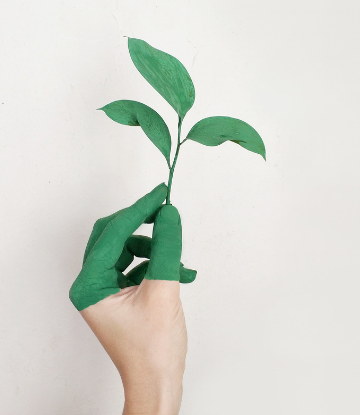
column 137, row 114
column 213, row 131
column 165, row 73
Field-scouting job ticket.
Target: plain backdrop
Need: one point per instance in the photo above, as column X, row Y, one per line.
column 273, row 316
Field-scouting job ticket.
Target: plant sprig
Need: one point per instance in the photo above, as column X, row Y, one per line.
column 172, row 81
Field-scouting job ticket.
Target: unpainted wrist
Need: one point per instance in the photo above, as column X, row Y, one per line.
column 164, row 399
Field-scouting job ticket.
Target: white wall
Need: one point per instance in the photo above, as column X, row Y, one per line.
column 273, row 317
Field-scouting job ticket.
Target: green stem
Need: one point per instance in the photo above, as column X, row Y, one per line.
column 174, row 163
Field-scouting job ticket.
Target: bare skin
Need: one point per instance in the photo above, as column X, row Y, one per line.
column 142, row 328
column 141, row 325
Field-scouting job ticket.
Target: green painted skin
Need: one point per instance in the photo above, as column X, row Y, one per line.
column 112, row 246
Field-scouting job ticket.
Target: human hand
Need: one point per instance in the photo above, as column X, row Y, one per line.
column 138, row 317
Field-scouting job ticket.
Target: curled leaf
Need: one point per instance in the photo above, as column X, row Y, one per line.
column 137, row 114
column 213, row 131
column 165, row 73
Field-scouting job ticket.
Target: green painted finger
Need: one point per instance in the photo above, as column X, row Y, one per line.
column 151, row 218
column 98, row 278
column 140, row 246
column 107, row 249
column 135, row 245
column 166, row 246
column 137, row 274
column 98, row 229
column 123, row 281
column 91, row 287
column 100, row 225
column 187, row 275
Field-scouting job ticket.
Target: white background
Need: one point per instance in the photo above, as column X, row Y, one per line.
column 273, row 317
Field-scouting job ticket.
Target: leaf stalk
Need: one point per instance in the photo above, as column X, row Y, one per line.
column 171, row 172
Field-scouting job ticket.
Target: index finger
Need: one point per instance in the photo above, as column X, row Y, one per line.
column 109, row 245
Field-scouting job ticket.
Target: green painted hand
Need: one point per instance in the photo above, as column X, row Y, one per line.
column 112, row 246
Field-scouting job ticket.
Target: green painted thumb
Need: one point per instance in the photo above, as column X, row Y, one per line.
column 166, row 246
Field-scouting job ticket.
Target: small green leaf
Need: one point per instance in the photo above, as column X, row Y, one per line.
column 213, row 131
column 137, row 114
column 165, row 73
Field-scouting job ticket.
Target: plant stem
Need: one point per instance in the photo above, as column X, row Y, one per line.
column 174, row 163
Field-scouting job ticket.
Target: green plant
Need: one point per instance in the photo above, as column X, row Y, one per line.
column 170, row 78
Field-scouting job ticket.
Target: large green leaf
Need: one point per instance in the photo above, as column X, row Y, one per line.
column 213, row 131
column 165, row 73
column 137, row 114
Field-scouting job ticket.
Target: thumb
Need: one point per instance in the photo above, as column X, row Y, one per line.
column 166, row 246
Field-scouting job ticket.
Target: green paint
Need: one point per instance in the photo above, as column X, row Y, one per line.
column 112, row 246
column 213, row 131
column 137, row 114
column 166, row 250
column 137, row 274
column 171, row 172
column 164, row 73
column 141, row 247
column 171, row 79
